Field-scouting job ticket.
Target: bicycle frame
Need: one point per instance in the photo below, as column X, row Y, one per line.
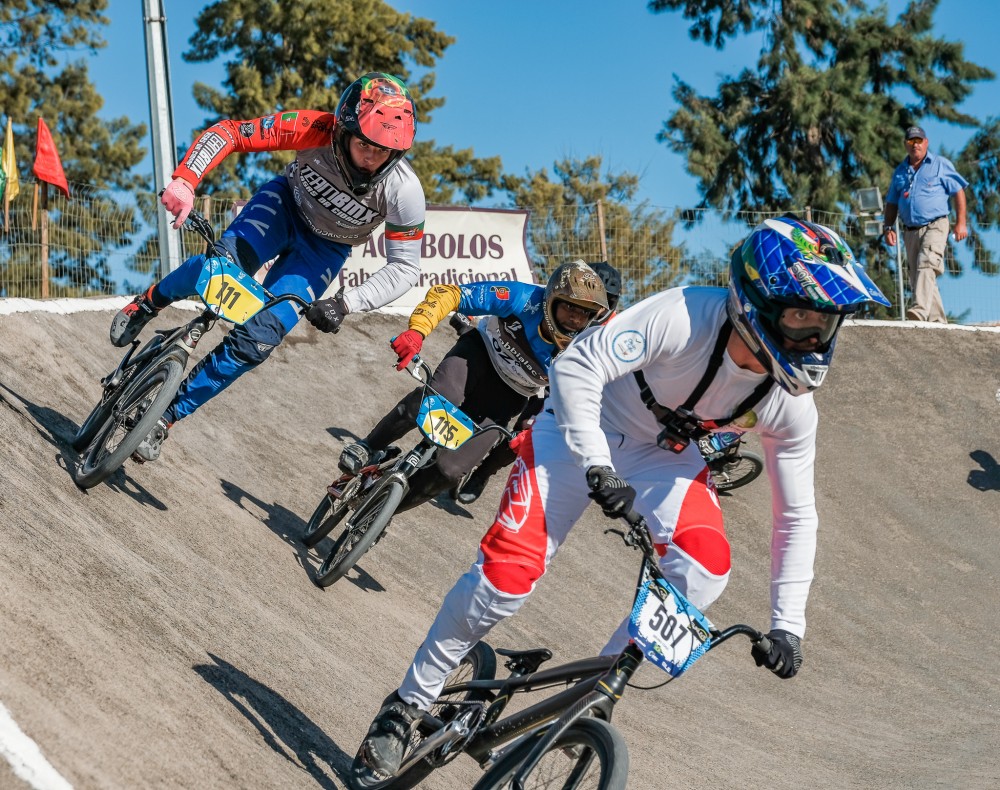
column 599, row 682
column 114, row 424
column 424, row 451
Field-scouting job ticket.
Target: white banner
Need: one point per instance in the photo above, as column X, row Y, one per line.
column 460, row 246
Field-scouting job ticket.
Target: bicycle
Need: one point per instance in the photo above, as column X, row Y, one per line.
column 730, row 464
column 566, row 738
column 376, row 491
column 137, row 393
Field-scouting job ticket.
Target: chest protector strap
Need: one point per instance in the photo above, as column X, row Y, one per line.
column 681, row 425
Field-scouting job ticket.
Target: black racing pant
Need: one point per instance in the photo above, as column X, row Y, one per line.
column 467, row 378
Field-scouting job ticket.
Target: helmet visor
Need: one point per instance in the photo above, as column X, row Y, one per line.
column 571, row 317
column 808, row 330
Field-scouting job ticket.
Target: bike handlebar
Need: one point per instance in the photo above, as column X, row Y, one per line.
column 638, row 535
column 198, row 223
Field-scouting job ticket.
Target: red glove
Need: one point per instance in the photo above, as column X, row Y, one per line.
column 407, row 345
column 178, row 198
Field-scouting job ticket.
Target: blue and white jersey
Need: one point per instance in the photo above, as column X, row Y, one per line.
column 513, row 314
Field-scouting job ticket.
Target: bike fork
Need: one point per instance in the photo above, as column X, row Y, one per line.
column 602, row 699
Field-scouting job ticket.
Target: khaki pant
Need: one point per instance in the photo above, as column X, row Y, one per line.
column 925, row 262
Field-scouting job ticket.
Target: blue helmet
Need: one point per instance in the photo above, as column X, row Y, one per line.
column 788, row 263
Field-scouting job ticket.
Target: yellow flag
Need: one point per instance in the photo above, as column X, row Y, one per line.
column 8, row 164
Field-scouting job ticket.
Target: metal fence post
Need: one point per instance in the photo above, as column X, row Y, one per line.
column 899, row 270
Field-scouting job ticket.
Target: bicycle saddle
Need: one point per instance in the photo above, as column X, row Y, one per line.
column 524, row 662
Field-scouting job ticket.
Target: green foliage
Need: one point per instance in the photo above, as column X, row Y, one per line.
column 302, row 55
column 823, row 112
column 36, row 80
column 565, row 226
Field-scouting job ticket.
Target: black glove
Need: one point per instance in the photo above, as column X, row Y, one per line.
column 785, row 656
column 327, row 314
column 607, row 489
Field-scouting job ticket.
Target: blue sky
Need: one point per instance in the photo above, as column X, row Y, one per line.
column 534, row 82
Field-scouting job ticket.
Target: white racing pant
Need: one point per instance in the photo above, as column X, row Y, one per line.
column 545, row 496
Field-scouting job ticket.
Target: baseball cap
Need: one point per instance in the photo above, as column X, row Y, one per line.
column 915, row 131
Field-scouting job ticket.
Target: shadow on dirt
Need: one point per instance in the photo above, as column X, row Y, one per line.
column 987, row 478
column 282, row 726
column 58, row 431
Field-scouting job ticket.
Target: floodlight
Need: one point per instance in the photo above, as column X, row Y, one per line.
column 869, row 200
column 872, row 227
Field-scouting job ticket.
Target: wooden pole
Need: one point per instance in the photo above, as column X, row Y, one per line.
column 45, row 240
column 34, row 207
column 206, row 210
column 600, row 227
column 6, row 211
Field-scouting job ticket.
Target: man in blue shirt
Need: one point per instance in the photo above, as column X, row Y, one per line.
column 918, row 195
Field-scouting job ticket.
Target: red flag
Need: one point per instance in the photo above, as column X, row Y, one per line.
column 47, row 165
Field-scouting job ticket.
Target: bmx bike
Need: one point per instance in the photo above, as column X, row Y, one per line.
column 137, row 392
column 566, row 740
column 731, row 465
column 373, row 495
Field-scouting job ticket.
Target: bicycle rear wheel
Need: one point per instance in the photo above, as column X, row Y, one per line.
column 479, row 664
column 735, row 474
column 132, row 417
column 360, row 532
column 591, row 754
column 328, row 514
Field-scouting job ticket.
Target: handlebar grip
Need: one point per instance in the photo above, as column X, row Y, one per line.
column 763, row 644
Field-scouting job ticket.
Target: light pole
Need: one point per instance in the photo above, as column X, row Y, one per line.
column 869, row 203
column 161, row 119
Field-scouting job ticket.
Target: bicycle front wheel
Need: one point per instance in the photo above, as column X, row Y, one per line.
column 735, row 474
column 94, row 422
column 132, row 418
column 360, row 532
column 590, row 754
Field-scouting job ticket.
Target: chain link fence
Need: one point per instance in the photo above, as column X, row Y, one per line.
column 105, row 243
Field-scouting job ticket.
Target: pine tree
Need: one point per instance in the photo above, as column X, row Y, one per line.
column 36, row 79
column 824, row 111
column 564, row 225
column 281, row 55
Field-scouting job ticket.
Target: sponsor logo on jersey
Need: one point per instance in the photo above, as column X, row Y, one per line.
column 502, row 292
column 247, row 129
column 515, row 505
column 289, row 116
column 204, row 152
column 403, row 233
column 511, row 348
column 340, row 204
column 267, row 130
column 628, row 346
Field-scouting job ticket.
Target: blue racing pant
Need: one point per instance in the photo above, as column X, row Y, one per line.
column 269, row 227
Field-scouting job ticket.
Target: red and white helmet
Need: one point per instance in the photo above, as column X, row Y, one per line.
column 378, row 109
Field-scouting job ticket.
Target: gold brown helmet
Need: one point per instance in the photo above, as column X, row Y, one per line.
column 574, row 284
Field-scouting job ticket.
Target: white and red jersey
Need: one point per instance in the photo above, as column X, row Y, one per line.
column 323, row 196
column 670, row 337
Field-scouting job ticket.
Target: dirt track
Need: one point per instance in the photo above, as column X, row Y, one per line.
column 162, row 630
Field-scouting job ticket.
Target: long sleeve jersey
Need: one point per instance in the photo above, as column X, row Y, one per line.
column 511, row 328
column 323, row 196
column 669, row 337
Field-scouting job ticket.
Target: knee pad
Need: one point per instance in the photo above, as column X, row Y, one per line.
column 253, row 342
column 237, row 249
column 511, row 578
column 706, row 546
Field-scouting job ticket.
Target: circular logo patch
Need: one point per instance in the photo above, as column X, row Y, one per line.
column 629, row 345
